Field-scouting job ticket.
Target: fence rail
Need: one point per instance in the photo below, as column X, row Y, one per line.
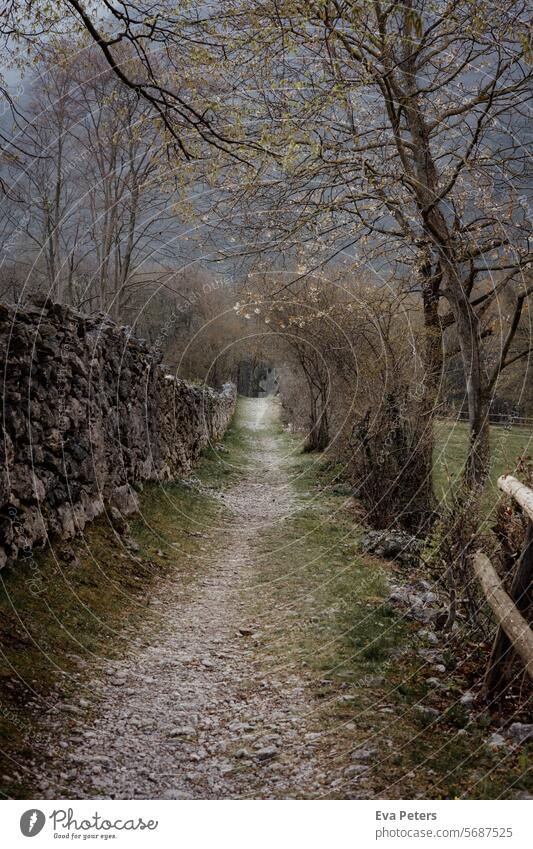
column 514, row 636
column 503, row 419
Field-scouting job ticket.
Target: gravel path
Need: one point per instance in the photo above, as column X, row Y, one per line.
column 193, row 712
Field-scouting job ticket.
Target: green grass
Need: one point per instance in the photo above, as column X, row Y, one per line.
column 332, row 618
column 451, row 445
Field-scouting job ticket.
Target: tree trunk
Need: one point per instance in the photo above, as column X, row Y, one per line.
column 468, row 330
column 433, row 363
column 318, row 437
column 466, row 320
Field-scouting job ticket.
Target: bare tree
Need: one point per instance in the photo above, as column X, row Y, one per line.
column 402, row 128
column 149, row 48
column 95, row 219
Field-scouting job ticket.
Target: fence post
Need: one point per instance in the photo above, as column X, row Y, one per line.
column 521, row 593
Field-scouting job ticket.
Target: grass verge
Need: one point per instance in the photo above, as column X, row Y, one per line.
column 77, row 604
column 370, row 683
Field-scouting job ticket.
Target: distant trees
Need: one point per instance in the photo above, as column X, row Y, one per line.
column 163, row 54
column 207, row 338
column 92, row 219
column 97, row 215
column 392, row 136
column 403, row 128
column 299, row 326
column 350, row 357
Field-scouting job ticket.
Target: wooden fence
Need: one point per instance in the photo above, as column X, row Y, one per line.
column 514, row 637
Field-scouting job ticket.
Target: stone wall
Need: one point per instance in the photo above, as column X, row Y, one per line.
column 88, row 412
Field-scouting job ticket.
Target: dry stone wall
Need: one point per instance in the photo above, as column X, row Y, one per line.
column 88, row 413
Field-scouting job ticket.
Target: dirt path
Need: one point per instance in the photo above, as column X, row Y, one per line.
column 256, row 654
column 193, row 713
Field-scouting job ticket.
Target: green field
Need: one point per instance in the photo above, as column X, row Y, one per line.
column 451, row 444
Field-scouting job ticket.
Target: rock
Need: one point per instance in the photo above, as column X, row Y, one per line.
column 241, row 726
column 429, row 598
column 354, row 771
column 428, row 636
column 176, row 794
column 496, row 741
column 521, row 732
column 398, row 597
column 95, row 393
column 68, row 555
column 418, row 604
column 92, row 760
column 266, row 753
column 246, row 632
column 268, row 740
column 373, row 681
column 364, row 754
column 430, row 655
column 118, row 521
column 395, row 545
column 436, row 683
column 102, row 760
column 182, row 731
column 73, row 709
column 467, row 698
column 125, row 499
column 426, row 712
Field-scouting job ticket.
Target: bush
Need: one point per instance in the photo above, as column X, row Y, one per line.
column 391, row 463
